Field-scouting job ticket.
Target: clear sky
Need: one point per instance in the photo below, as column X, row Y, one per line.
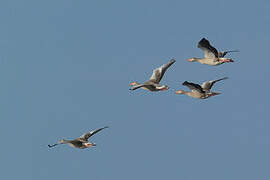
column 65, row 69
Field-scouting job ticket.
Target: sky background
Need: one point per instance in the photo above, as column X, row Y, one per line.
column 65, row 69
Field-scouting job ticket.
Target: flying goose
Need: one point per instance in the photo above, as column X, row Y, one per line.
column 81, row 142
column 211, row 55
column 153, row 83
column 200, row 91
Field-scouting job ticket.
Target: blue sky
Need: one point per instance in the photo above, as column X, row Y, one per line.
column 65, row 67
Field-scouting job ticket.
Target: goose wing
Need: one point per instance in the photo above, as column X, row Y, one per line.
column 193, row 86
column 87, row 135
column 136, row 87
column 223, row 53
column 209, row 84
column 159, row 72
column 209, row 51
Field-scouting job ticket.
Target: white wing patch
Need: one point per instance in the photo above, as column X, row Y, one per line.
column 206, row 85
column 208, row 54
column 86, row 135
column 156, row 74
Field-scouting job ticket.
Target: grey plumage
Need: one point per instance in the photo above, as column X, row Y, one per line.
column 208, row 49
column 206, row 86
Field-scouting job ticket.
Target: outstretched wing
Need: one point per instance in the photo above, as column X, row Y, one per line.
column 193, row 86
column 223, row 53
column 209, row 51
column 87, row 135
column 136, row 87
column 209, row 84
column 158, row 73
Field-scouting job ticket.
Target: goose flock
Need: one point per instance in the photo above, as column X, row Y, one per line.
column 212, row 57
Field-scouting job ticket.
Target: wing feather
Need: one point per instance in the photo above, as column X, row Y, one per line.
column 209, row 84
column 193, row 86
column 209, row 51
column 159, row 72
column 87, row 135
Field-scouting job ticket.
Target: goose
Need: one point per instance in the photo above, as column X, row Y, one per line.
column 200, row 91
column 81, row 142
column 153, row 83
column 211, row 55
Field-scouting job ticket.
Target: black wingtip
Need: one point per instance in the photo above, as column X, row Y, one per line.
column 237, row 50
column 185, row 83
column 224, row 78
column 172, row 60
column 203, row 42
